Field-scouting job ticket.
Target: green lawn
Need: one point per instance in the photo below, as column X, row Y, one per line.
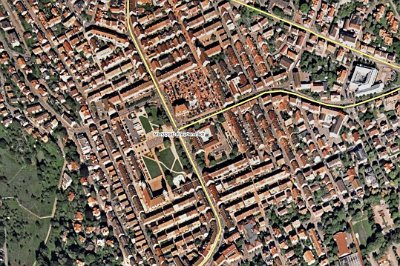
column 152, row 167
column 177, row 167
column 167, row 157
column 364, row 230
column 156, row 115
column 146, row 124
column 24, row 233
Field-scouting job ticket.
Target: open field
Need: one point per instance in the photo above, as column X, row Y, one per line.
column 363, row 229
column 167, row 157
column 29, row 174
column 24, row 232
column 29, row 170
column 21, row 181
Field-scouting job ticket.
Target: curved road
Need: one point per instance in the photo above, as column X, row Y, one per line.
column 156, row 85
column 331, row 105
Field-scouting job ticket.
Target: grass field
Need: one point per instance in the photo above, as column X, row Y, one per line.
column 24, row 233
column 146, row 124
column 177, row 167
column 167, row 157
column 22, row 182
column 363, row 229
column 29, row 171
column 152, row 167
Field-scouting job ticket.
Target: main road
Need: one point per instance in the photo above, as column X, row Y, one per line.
column 278, row 91
column 139, row 49
column 294, row 24
column 299, row 95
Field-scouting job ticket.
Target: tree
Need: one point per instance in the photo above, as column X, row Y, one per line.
column 90, row 258
column 42, row 254
column 278, row 11
column 84, row 170
column 221, row 118
column 375, row 242
column 71, row 151
column 60, row 132
column 167, row 142
column 304, row 8
column 200, row 160
column 347, row 9
column 3, row 143
column 148, row 7
column 234, row 152
column 246, row 16
column 170, row 180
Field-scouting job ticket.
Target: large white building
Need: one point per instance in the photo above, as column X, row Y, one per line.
column 363, row 81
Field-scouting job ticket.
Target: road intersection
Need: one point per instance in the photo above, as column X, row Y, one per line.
column 277, row 91
column 214, row 245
